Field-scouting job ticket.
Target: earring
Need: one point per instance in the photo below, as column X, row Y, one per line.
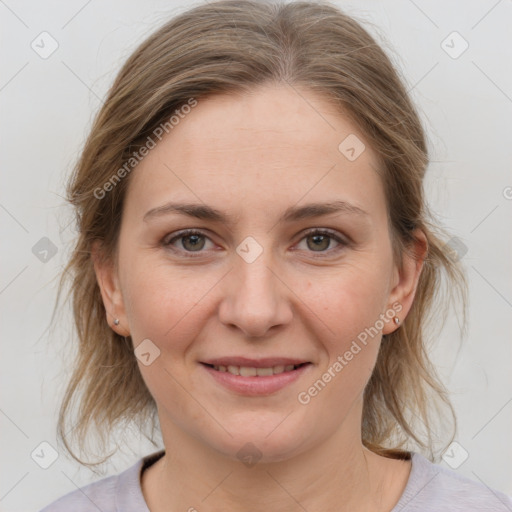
column 116, row 321
column 396, row 320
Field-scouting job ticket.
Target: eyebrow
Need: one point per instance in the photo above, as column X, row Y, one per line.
column 294, row 213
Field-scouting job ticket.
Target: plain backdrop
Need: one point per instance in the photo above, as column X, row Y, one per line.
column 456, row 59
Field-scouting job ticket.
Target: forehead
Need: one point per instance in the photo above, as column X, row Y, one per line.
column 276, row 144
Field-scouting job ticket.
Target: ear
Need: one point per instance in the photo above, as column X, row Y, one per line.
column 108, row 281
column 406, row 279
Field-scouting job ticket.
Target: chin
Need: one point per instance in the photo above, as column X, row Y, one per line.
column 256, row 444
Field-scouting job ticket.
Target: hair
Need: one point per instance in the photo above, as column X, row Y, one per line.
column 230, row 47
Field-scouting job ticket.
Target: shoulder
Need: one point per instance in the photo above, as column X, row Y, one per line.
column 435, row 488
column 96, row 496
column 120, row 492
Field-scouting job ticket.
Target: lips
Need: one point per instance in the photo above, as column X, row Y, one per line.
column 246, row 367
column 266, row 362
column 255, row 377
column 253, row 371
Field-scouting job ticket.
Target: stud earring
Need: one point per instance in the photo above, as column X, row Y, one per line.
column 396, row 320
column 116, row 321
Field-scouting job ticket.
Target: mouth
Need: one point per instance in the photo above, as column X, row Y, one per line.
column 250, row 377
column 253, row 371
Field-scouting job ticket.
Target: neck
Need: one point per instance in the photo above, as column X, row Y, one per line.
column 339, row 474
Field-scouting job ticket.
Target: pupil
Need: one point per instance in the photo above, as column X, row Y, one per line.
column 195, row 240
column 321, row 238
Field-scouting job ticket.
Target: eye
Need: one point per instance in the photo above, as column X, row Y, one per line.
column 319, row 240
column 193, row 241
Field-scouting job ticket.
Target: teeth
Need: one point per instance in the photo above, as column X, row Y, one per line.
column 264, row 372
column 247, row 371
column 235, row 370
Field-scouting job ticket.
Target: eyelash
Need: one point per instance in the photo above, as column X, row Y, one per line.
column 312, row 231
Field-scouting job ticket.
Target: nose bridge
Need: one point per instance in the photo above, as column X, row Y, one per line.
column 255, row 300
column 255, row 280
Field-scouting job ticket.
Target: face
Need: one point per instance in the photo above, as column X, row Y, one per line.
column 266, row 283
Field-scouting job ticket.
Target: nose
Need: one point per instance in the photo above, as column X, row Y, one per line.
column 255, row 298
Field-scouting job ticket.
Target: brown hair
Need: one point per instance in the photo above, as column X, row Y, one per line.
column 232, row 46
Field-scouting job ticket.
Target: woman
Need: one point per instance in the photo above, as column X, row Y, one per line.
column 255, row 266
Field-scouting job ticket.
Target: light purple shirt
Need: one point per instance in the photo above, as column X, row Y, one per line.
column 430, row 488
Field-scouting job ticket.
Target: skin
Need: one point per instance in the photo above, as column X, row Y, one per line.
column 252, row 156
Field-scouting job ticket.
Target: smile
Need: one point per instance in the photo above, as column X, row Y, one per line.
column 249, row 371
column 255, row 380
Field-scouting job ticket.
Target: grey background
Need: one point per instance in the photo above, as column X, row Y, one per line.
column 47, row 105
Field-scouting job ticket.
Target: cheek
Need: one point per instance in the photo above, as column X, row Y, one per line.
column 353, row 302
column 168, row 304
column 352, row 310
column 163, row 303
column 351, row 355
